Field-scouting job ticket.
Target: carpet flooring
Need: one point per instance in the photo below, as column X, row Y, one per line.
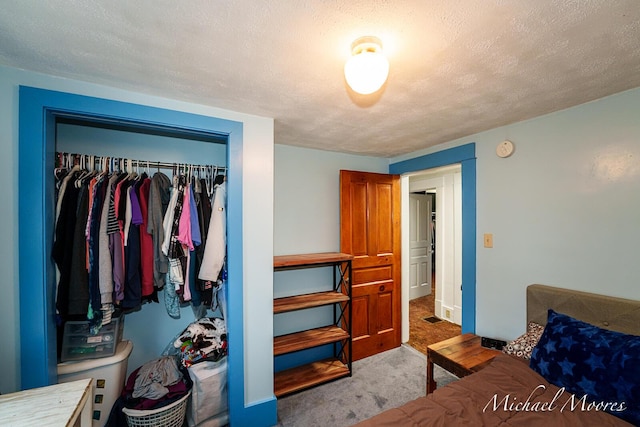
column 380, row 382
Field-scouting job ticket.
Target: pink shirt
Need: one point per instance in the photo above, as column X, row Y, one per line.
column 184, row 237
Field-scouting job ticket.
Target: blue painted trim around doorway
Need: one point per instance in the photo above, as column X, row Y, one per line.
column 38, row 110
column 466, row 156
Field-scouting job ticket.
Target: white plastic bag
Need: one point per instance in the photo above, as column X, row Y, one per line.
column 208, row 404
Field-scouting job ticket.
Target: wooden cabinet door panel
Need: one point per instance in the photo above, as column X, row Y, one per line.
column 360, row 307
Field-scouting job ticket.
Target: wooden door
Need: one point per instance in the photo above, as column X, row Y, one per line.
column 370, row 231
column 420, row 252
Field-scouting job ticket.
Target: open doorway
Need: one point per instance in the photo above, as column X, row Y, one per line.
column 465, row 156
column 433, row 243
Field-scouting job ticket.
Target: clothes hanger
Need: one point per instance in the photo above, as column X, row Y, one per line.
column 131, row 173
column 62, row 170
column 82, row 163
column 197, row 186
column 211, row 173
column 104, row 166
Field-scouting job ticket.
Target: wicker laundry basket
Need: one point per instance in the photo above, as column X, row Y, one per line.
column 171, row 415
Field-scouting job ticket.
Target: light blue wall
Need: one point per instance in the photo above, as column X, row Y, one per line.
column 564, row 209
column 307, row 197
column 307, row 219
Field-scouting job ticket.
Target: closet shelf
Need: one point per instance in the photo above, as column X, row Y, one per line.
column 299, row 302
column 307, row 339
column 309, row 260
column 309, row 375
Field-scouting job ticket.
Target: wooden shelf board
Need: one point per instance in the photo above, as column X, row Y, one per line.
column 282, row 261
column 298, row 302
column 308, row 339
column 303, row 377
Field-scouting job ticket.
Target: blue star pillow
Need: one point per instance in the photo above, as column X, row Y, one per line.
column 586, row 360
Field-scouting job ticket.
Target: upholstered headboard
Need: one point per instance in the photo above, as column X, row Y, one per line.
column 618, row 314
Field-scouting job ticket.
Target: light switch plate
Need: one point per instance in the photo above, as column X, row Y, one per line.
column 488, row 240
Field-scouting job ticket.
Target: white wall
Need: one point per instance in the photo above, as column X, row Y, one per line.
column 257, row 222
column 564, row 209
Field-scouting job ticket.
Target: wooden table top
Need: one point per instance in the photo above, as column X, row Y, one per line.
column 54, row 405
column 465, row 351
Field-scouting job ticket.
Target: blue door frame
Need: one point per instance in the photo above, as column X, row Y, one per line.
column 38, row 111
column 466, row 156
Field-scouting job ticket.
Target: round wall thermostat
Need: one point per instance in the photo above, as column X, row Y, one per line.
column 505, row 148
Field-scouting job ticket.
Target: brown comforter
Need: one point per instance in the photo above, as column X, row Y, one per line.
column 505, row 393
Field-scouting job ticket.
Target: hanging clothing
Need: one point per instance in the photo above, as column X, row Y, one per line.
column 105, row 262
column 133, row 218
column 98, row 189
column 146, row 244
column 79, row 280
column 167, row 222
column 215, row 250
column 196, row 236
column 105, row 259
column 203, row 207
column 159, row 196
column 184, row 236
column 62, row 252
column 116, row 245
column 119, row 237
column 70, row 176
column 173, row 249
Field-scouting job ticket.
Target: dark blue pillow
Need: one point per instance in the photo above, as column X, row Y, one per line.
column 586, row 360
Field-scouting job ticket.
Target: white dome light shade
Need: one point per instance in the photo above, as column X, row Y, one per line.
column 368, row 68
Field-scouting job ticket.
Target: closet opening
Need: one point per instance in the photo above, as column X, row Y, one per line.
column 43, row 115
column 109, row 283
column 150, row 151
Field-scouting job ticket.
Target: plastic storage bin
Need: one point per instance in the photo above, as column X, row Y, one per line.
column 79, row 344
column 109, row 375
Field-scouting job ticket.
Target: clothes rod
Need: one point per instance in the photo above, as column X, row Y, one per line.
column 68, row 159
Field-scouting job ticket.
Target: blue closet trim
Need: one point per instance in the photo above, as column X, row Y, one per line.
column 466, row 156
column 38, row 110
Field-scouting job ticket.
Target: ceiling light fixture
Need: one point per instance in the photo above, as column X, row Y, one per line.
column 368, row 68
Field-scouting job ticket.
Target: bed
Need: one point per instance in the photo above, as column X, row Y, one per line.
column 588, row 345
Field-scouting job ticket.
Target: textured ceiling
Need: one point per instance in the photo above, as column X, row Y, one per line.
column 456, row 67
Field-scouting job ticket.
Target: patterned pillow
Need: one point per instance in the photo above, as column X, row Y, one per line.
column 524, row 344
column 599, row 366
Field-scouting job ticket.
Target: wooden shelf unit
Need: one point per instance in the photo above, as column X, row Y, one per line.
column 339, row 333
column 309, row 375
column 299, row 302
